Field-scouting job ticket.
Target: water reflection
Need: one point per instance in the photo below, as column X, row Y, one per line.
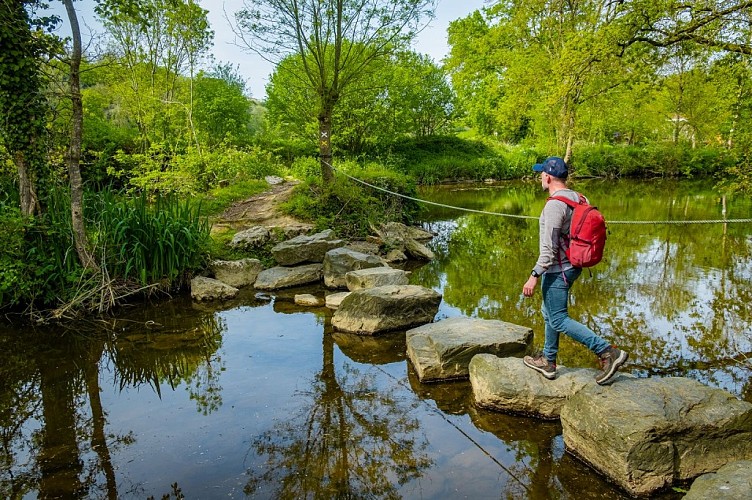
column 52, row 417
column 348, row 439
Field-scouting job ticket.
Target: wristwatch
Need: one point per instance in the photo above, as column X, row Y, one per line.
column 533, row 273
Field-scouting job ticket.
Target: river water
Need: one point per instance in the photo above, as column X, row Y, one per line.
column 260, row 398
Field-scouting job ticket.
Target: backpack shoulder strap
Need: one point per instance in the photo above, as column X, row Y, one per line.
column 569, row 202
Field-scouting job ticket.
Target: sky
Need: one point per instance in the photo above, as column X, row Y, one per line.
column 431, row 41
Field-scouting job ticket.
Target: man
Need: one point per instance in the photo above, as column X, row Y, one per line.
column 558, row 275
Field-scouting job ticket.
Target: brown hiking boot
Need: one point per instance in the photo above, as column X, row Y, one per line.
column 540, row 364
column 610, row 361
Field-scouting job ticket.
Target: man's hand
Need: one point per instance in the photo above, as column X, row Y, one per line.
column 529, row 287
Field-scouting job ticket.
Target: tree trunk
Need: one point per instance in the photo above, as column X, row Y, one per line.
column 325, row 146
column 25, row 185
column 74, row 157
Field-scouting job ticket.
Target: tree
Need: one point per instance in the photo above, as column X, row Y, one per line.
column 404, row 95
column 335, row 40
column 74, row 156
column 718, row 24
column 22, row 106
column 157, row 41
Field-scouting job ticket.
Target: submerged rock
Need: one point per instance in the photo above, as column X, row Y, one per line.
column 283, row 277
column 645, row 434
column 203, row 288
column 443, row 350
column 309, row 300
column 386, row 308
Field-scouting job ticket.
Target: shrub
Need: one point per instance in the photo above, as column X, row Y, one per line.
column 351, row 208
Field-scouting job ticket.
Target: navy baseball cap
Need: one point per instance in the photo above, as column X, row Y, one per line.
column 553, row 166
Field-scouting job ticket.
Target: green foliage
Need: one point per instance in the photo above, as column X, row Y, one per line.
column 305, row 168
column 663, row 160
column 136, row 241
column 435, row 159
column 191, row 172
column 221, row 111
column 406, row 94
column 23, row 110
column 350, row 208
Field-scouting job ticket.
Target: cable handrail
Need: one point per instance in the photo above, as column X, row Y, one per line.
column 516, row 216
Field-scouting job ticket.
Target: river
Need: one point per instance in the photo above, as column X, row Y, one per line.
column 257, row 397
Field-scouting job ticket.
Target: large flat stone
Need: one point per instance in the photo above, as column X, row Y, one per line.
column 646, row 434
column 443, row 350
column 386, row 308
column 306, row 248
column 507, row 385
column 283, row 277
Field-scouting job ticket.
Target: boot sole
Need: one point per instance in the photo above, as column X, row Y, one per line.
column 623, row 357
column 548, row 375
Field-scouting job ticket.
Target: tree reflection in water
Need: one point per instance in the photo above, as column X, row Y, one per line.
column 351, row 439
column 52, row 421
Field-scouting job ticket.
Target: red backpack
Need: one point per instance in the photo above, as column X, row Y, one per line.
column 587, row 233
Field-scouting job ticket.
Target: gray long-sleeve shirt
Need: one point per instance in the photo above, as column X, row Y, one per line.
column 554, row 223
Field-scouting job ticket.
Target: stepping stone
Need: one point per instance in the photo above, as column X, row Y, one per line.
column 375, row 276
column 732, row 481
column 646, row 434
column 237, row 273
column 443, row 350
column 306, row 248
column 340, row 261
column 283, row 277
column 507, row 385
column 386, row 308
column 203, row 288
column 333, row 300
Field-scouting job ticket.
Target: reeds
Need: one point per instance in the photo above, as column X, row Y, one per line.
column 142, row 246
column 150, row 242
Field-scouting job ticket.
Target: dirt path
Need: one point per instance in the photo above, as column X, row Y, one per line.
column 259, row 210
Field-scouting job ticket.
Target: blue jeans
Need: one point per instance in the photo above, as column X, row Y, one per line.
column 555, row 301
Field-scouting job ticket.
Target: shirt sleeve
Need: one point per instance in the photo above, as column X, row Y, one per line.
column 551, row 222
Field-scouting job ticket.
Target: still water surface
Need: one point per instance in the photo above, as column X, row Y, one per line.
column 260, row 398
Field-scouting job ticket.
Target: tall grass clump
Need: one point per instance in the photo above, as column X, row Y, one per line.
column 150, row 242
column 139, row 245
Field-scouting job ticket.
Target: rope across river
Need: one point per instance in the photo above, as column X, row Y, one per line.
column 532, row 217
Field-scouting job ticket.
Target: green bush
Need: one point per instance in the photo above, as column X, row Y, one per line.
column 663, row 160
column 191, row 172
column 351, row 208
column 305, row 167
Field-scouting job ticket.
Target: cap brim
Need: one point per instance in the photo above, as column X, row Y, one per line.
column 538, row 167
